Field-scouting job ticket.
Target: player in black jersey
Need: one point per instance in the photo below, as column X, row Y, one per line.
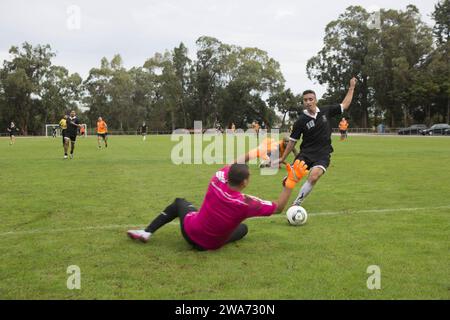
column 315, row 127
column 71, row 132
column 144, row 131
column 12, row 130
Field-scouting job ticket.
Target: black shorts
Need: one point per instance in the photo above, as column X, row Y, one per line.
column 322, row 162
column 183, row 208
column 103, row 135
column 72, row 138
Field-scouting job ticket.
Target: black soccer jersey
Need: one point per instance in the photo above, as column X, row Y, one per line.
column 316, row 141
column 72, row 129
column 12, row 130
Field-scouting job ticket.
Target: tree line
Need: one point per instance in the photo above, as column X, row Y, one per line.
column 402, row 66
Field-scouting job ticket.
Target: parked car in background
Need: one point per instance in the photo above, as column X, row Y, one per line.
column 414, row 129
column 439, row 128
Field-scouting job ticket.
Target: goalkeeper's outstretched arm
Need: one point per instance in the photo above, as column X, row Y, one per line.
column 283, row 199
column 295, row 174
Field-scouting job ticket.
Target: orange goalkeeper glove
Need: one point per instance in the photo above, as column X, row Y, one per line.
column 295, row 173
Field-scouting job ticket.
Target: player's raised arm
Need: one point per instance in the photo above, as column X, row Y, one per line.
column 348, row 98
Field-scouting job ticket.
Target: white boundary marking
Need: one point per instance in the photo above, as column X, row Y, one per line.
column 124, row 226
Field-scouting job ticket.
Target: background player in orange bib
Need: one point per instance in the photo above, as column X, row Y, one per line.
column 343, row 126
column 102, row 132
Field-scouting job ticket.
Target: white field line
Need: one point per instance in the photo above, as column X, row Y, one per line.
column 124, row 226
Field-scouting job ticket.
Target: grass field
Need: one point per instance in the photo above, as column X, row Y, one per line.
column 384, row 201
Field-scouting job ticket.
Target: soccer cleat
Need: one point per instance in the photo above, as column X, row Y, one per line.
column 71, row 156
column 141, row 235
column 298, row 201
column 65, row 156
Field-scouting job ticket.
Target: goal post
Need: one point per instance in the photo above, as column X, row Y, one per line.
column 49, row 130
column 50, row 127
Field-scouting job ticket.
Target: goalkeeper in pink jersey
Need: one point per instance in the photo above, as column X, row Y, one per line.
column 219, row 220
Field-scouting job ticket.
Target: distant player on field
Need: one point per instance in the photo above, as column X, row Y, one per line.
column 315, row 127
column 82, row 131
column 12, row 129
column 144, row 131
column 102, row 132
column 63, row 126
column 71, row 132
column 224, row 207
column 343, row 126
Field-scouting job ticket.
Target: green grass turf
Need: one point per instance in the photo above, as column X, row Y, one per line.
column 56, row 213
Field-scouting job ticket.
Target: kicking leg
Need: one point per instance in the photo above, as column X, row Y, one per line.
column 305, row 190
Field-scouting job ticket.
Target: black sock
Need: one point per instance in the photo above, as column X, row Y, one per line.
column 169, row 214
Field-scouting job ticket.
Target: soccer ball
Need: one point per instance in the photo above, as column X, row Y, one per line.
column 297, row 215
column 264, row 164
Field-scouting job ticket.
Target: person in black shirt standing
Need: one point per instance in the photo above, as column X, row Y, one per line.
column 315, row 126
column 71, row 132
column 12, row 129
column 144, row 131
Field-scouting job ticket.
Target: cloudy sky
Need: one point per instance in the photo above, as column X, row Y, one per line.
column 290, row 31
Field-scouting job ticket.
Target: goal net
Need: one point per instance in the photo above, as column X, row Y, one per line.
column 53, row 130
